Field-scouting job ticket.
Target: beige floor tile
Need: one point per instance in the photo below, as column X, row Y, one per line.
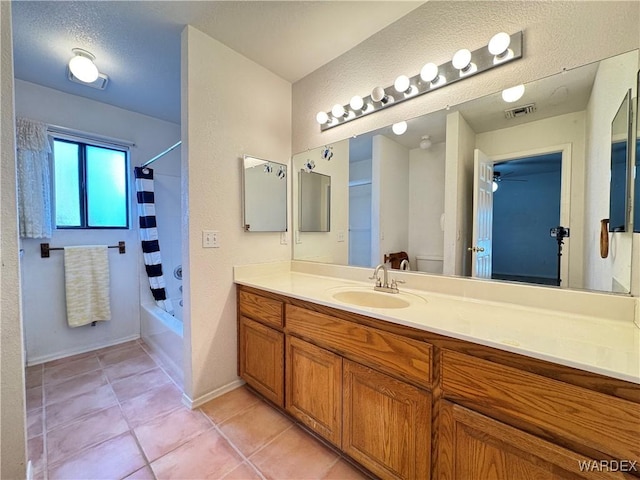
column 129, row 367
column 154, row 403
column 117, row 355
column 225, row 406
column 71, row 358
column 33, row 376
column 33, row 398
column 144, row 473
column 208, row 455
column 168, row 432
column 35, row 453
column 69, row 439
column 34, row 423
column 79, row 406
column 343, row 470
column 292, row 455
column 67, row 370
column 244, row 471
column 254, row 427
column 113, row 459
column 73, row 387
column 135, row 385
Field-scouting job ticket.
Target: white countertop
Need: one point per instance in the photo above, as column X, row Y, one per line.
column 599, row 345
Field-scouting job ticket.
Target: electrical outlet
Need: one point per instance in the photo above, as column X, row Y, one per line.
column 283, row 238
column 210, row 239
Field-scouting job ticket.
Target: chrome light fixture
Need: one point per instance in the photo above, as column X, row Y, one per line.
column 502, row 49
column 425, row 143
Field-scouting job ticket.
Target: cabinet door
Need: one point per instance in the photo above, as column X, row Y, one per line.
column 261, row 351
column 314, row 388
column 386, row 423
column 475, row 447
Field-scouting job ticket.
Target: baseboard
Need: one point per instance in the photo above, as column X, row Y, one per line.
column 76, row 351
column 201, row 400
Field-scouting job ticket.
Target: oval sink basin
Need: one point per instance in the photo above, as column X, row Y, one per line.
column 371, row 299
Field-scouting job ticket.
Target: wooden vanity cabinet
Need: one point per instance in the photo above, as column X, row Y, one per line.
column 261, row 345
column 314, row 388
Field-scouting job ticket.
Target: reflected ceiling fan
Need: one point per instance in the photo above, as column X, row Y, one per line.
column 500, row 177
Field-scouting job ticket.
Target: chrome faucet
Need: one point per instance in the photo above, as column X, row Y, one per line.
column 383, row 285
column 404, row 265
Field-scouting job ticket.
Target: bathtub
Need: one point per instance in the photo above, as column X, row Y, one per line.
column 162, row 333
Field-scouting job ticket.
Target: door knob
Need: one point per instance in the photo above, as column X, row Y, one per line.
column 475, row 249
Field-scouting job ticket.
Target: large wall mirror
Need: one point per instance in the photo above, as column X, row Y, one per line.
column 549, row 152
column 264, row 195
column 636, row 170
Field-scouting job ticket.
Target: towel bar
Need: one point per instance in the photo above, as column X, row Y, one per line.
column 45, row 249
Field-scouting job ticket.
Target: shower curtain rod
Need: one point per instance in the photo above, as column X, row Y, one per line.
column 149, row 162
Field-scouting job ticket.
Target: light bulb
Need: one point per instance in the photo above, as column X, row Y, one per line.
column 82, row 66
column 402, row 84
column 461, row 59
column 425, row 142
column 378, row 95
column 429, row 72
column 338, row 111
column 356, row 102
column 494, row 186
column 322, row 118
column 399, row 128
column 499, row 44
column 513, row 94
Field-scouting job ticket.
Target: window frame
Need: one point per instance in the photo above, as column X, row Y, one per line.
column 82, row 144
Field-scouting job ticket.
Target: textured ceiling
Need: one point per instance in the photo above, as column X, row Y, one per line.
column 137, row 43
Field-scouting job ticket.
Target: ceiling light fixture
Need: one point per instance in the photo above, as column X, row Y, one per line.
column 82, row 66
column 502, row 49
column 399, row 128
column 513, row 94
column 425, row 143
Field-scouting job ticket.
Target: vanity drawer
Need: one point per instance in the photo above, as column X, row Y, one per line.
column 550, row 408
column 405, row 358
column 263, row 309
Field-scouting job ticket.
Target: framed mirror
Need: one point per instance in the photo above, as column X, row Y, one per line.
column 636, row 169
column 314, row 205
column 264, row 195
column 620, row 156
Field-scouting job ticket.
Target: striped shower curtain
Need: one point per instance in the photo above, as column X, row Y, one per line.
column 149, row 237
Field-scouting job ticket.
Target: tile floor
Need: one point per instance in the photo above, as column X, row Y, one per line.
column 115, row 414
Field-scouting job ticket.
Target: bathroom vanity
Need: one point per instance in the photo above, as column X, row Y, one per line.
column 394, row 390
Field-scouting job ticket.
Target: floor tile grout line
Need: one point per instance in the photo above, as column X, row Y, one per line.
column 162, row 367
column 242, row 455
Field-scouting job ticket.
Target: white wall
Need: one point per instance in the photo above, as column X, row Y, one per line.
column 12, row 396
column 426, row 201
column 230, row 106
column 46, row 330
column 615, row 76
column 546, row 133
column 390, row 199
column 458, row 200
column 557, row 35
column 324, row 246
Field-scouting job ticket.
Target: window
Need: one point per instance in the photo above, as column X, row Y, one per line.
column 91, row 185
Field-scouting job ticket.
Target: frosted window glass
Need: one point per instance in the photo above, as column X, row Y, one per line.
column 106, row 187
column 67, row 184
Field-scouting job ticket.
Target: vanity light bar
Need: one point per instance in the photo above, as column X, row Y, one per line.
column 481, row 61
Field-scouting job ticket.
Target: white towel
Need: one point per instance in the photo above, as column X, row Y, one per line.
column 86, row 273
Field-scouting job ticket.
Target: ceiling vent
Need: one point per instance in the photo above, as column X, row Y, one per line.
column 100, row 83
column 520, row 111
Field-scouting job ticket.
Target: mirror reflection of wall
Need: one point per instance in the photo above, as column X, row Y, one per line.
column 636, row 172
column 265, row 195
column 430, row 216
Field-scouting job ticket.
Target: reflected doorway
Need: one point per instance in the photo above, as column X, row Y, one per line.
column 526, row 206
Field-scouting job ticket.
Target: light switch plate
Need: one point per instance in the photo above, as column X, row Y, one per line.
column 210, row 239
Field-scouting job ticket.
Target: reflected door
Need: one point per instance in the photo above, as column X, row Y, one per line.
column 482, row 215
column 360, row 225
